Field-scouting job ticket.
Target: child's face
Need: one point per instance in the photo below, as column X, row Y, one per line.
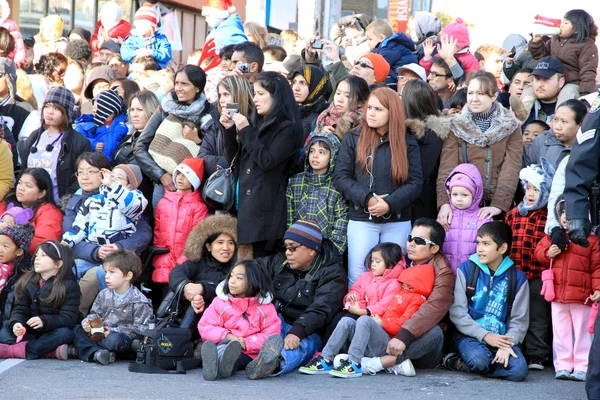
column 407, row 287
column 48, row 33
column 6, row 221
column 461, row 197
column 318, row 158
column 100, row 86
column 378, row 266
column 237, row 282
column 143, row 28
column 119, row 176
column 373, row 39
column 8, row 250
column 53, row 116
column 566, row 28
column 563, row 220
column 44, row 265
column 222, row 248
column 116, row 280
column 531, row 194
column 531, row 132
column 183, row 184
column 488, row 251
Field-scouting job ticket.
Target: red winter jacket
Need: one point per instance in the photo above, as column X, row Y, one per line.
column 176, row 215
column 408, row 301
column 47, row 222
column 119, row 32
column 576, row 270
column 527, row 232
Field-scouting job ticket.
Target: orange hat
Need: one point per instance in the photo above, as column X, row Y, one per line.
column 380, row 66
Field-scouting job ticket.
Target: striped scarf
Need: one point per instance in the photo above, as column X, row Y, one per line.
column 484, row 120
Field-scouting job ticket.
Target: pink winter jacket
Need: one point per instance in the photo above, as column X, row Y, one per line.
column 467, row 60
column 176, row 215
column 252, row 318
column 461, row 239
column 376, row 292
column 6, row 271
column 18, row 54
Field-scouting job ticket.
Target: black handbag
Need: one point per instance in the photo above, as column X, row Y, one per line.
column 219, row 189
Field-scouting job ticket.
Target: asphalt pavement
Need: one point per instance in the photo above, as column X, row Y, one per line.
column 53, row 379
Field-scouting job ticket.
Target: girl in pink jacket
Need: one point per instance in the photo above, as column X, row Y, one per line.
column 18, row 54
column 238, row 321
column 375, row 289
column 465, row 189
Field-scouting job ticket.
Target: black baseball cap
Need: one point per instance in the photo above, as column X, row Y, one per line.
column 547, row 67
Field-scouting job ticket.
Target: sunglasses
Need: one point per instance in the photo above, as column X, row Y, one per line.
column 420, row 241
column 363, row 64
column 61, row 71
column 291, row 247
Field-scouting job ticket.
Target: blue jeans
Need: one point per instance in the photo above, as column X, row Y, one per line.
column 157, row 194
column 101, row 274
column 82, row 266
column 363, row 236
column 479, row 356
column 115, row 341
column 293, row 359
column 39, row 346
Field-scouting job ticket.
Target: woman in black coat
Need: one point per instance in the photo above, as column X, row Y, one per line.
column 265, row 148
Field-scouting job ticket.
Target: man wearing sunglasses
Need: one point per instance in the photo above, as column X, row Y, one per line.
column 309, row 287
column 421, row 339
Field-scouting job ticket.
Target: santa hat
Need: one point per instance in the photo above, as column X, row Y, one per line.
column 147, row 14
column 218, row 8
column 545, row 26
column 193, row 169
column 458, row 31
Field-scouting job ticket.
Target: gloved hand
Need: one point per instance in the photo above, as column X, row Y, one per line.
column 559, row 237
column 579, row 230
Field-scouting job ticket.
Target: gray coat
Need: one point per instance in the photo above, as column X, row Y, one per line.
column 547, row 146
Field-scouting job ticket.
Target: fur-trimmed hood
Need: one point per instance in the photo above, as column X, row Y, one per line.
column 503, row 124
column 439, row 125
column 194, row 245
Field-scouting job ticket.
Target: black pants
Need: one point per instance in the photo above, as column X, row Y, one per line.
column 536, row 342
column 592, row 383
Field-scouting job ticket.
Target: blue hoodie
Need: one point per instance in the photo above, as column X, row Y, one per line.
column 486, row 311
column 398, row 51
column 110, row 136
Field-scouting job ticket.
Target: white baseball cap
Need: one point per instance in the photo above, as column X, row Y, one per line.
column 415, row 68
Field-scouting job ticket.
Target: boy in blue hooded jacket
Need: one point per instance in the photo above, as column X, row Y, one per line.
column 397, row 49
column 490, row 309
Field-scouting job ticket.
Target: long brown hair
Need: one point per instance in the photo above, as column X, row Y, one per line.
column 369, row 139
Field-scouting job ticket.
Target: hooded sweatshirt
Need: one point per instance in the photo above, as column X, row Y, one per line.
column 461, row 239
column 486, row 311
column 253, row 319
column 421, row 278
column 313, row 197
column 375, row 293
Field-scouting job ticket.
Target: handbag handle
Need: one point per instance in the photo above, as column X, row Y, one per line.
column 551, row 263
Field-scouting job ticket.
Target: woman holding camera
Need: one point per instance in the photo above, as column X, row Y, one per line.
column 264, row 145
column 175, row 130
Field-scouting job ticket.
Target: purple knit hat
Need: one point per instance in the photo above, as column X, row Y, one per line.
column 21, row 215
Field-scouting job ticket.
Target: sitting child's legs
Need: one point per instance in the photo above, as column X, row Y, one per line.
column 48, row 342
column 369, row 340
column 344, row 332
column 86, row 347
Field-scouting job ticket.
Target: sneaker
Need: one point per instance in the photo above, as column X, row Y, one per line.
column 347, row 369
column 453, row 362
column 62, row 352
column 578, row 376
column 72, row 352
column 371, row 365
column 536, row 364
column 198, row 349
column 102, row 357
column 267, row 360
column 337, row 361
column 405, row 368
column 210, row 361
column 112, row 357
column 563, row 375
column 317, row 365
column 229, row 358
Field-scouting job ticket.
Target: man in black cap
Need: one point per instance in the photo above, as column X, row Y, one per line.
column 109, row 47
column 583, row 168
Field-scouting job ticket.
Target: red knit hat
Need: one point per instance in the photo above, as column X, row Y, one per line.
column 458, row 31
column 380, row 66
column 147, row 13
column 193, row 169
column 218, row 8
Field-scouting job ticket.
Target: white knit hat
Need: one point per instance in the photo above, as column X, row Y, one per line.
column 110, row 15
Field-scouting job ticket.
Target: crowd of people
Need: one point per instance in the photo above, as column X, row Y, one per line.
column 394, row 202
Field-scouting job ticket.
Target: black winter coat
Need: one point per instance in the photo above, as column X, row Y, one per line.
column 73, row 145
column 33, row 304
column 357, row 189
column 308, row 299
column 261, row 169
column 212, row 151
column 208, row 273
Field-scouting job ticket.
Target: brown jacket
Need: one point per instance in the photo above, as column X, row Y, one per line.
column 437, row 305
column 579, row 59
column 497, row 154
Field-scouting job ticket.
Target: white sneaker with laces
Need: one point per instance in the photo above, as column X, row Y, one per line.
column 405, row 368
column 371, row 365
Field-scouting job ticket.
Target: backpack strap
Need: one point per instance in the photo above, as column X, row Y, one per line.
column 464, row 152
column 472, row 282
column 512, row 291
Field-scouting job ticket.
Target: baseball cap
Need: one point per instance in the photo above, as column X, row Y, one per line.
column 416, row 68
column 547, row 67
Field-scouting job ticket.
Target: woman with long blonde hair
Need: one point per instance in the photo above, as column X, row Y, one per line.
column 379, row 173
column 232, row 89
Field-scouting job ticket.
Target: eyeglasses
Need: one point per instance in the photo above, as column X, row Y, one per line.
column 363, row 64
column 86, row 173
column 291, row 248
column 420, row 241
column 435, row 75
